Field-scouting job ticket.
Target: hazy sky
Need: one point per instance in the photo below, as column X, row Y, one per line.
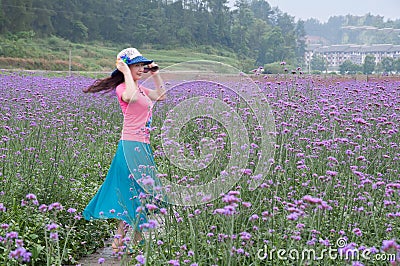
column 323, row 9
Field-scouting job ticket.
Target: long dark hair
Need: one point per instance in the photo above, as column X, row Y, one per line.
column 106, row 84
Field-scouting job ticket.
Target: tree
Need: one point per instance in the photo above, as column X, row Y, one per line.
column 41, row 19
column 332, row 30
column 300, row 41
column 17, row 14
column 252, row 29
column 388, row 64
column 219, row 16
column 369, row 64
column 348, row 67
column 318, row 62
column 396, row 65
column 242, row 22
column 262, row 10
column 256, row 39
column 287, row 27
column 273, row 46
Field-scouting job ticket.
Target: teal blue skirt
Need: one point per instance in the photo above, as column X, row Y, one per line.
column 130, row 184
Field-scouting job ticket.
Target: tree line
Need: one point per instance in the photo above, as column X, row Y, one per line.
column 388, row 65
column 251, row 28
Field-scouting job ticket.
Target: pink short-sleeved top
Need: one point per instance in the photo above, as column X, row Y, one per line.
column 137, row 115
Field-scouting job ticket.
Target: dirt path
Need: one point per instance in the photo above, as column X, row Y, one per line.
column 107, row 254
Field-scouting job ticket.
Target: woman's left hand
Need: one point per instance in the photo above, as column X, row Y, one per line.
column 122, row 66
column 151, row 66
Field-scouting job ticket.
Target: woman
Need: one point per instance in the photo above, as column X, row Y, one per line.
column 131, row 179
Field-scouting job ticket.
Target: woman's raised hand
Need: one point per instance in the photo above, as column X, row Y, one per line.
column 122, row 66
column 153, row 68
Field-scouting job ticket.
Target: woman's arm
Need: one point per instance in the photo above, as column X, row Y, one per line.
column 159, row 93
column 130, row 94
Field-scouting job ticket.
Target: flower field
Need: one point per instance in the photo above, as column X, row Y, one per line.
column 331, row 195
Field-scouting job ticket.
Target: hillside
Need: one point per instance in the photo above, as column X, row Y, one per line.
column 60, row 55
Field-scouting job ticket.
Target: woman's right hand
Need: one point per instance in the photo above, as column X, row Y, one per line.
column 122, row 66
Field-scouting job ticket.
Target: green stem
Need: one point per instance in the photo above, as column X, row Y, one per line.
column 48, row 256
column 193, row 234
column 147, row 249
column 231, row 241
column 66, row 241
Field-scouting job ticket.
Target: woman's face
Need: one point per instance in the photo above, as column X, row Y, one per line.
column 137, row 70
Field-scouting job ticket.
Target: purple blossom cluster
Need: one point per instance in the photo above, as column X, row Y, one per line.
column 13, row 243
column 334, row 173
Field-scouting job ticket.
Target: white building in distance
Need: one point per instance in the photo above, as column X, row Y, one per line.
column 335, row 55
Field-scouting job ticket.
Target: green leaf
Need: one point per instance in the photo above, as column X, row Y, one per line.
column 33, row 236
column 36, row 250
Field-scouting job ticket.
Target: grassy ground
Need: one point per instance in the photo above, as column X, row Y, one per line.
column 57, row 54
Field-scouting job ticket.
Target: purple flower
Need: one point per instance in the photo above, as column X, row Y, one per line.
column 141, row 259
column 173, row 262
column 345, row 250
column 240, row 251
column 140, row 209
column 297, row 238
column 71, row 210
column 117, row 236
column 331, row 173
column 247, row 171
column 101, row 261
column 293, row 216
column 19, row 242
column 4, row 226
column 23, row 202
column 254, row 217
column 324, row 242
column 31, row 196
column 206, row 198
column 54, row 235
column 150, row 225
column 300, row 225
column 56, row 205
column 148, row 181
column 246, row 204
column 357, row 231
column 153, row 223
column 52, row 226
column 311, row 242
column 230, row 199
column 151, row 207
column 389, row 244
column 245, row 236
column 43, row 208
column 163, row 211
column 20, row 253
column 12, row 235
column 312, row 200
